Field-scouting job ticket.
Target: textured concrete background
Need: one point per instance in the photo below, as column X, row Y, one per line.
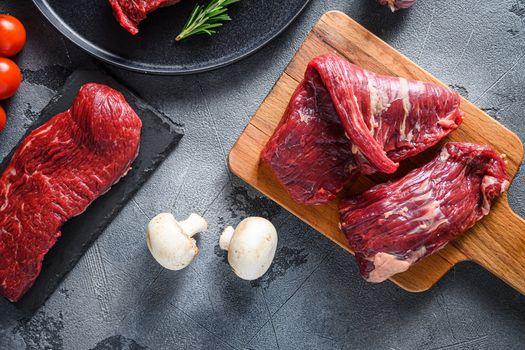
column 119, row 298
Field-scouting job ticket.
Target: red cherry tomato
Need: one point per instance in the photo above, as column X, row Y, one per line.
column 10, row 78
column 2, row 118
column 12, row 36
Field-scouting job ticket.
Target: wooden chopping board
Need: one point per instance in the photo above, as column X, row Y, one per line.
column 497, row 242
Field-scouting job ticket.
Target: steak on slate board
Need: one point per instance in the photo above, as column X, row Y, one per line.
column 159, row 137
column 58, row 170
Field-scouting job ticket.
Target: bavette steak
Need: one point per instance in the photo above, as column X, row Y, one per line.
column 392, row 226
column 343, row 120
column 55, row 174
column 130, row 13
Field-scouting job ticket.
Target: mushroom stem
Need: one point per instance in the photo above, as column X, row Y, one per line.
column 193, row 225
column 226, row 237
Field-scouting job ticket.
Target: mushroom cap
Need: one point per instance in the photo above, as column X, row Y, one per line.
column 168, row 244
column 252, row 248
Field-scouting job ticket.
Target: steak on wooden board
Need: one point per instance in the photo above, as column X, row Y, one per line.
column 392, row 226
column 58, row 170
column 130, row 13
column 343, row 120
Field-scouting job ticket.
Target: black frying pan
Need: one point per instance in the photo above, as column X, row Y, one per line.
column 91, row 25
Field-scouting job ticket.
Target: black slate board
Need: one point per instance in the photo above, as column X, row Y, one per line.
column 159, row 137
column 92, row 26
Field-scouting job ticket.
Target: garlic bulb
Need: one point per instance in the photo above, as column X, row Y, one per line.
column 397, row 4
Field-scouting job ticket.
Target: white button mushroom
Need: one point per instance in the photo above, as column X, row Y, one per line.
column 251, row 247
column 170, row 242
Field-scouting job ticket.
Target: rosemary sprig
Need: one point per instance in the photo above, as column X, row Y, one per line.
column 204, row 19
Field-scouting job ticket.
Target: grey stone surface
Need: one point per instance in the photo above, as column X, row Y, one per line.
column 313, row 298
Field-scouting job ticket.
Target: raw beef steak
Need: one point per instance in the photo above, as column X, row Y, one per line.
column 343, row 120
column 394, row 225
column 130, row 13
column 55, row 174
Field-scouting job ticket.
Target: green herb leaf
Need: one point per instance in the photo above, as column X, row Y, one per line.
column 204, row 19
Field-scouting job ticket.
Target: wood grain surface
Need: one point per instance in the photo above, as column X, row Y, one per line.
column 497, row 242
